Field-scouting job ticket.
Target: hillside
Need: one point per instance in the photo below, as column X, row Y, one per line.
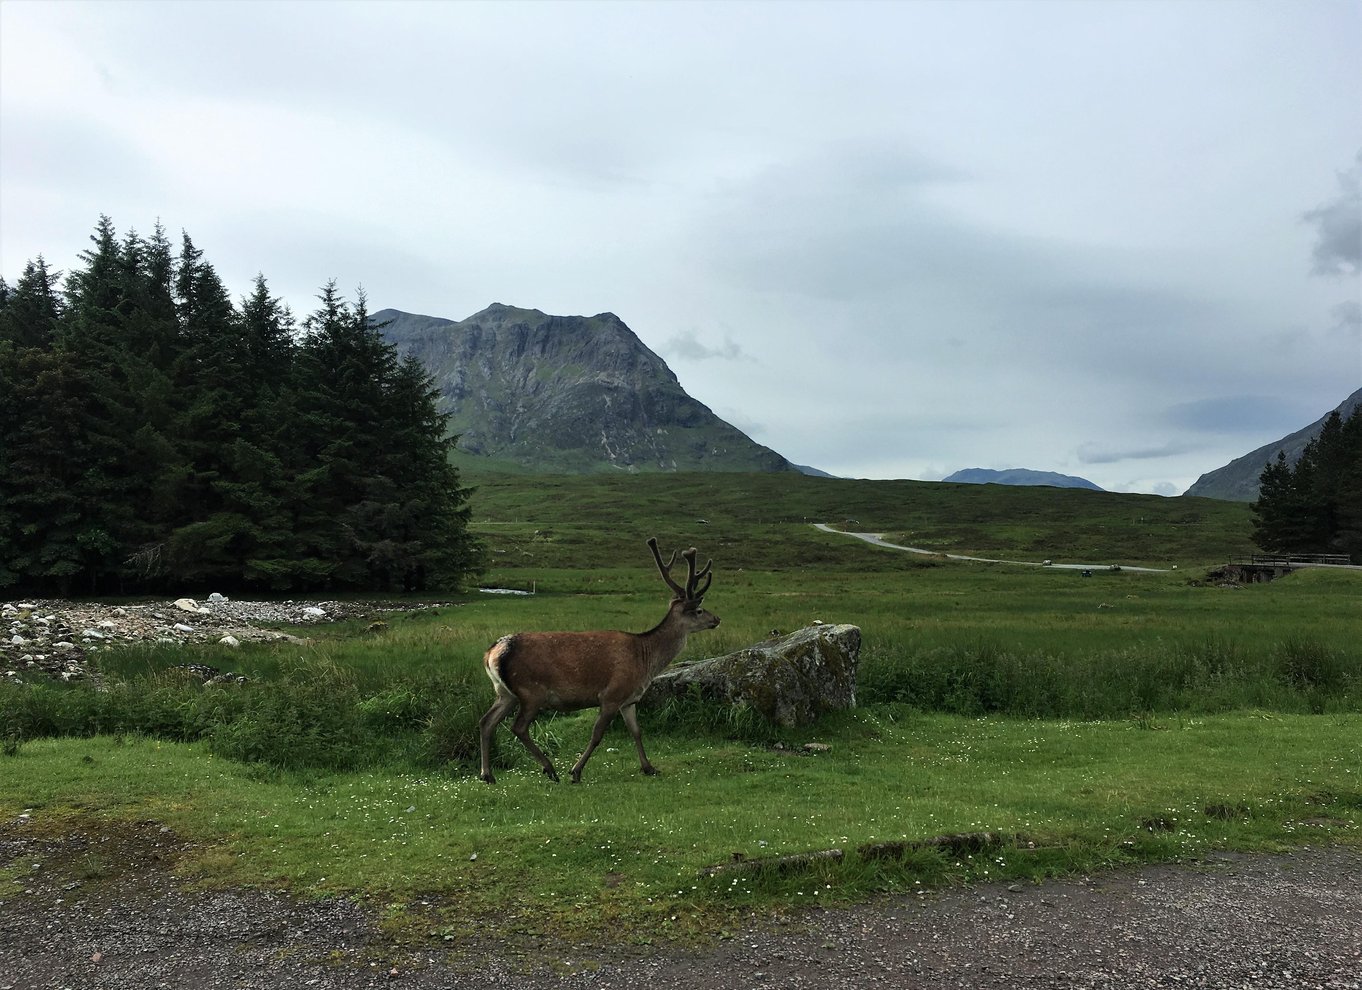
column 764, row 521
column 1237, row 481
column 1020, row 476
column 569, row 394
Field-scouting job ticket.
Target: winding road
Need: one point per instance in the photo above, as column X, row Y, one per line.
column 877, row 539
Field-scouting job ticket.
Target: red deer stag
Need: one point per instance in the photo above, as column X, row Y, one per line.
column 568, row 671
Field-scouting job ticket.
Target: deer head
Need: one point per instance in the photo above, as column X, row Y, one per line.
column 686, row 601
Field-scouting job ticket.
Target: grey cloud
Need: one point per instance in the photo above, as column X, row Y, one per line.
column 1101, row 453
column 1239, row 414
column 687, row 346
column 70, row 155
column 1348, row 320
column 838, row 223
column 1338, row 227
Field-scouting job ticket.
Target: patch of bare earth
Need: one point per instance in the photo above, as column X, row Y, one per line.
column 107, row 910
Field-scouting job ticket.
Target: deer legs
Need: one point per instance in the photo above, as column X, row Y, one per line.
column 630, row 717
column 521, row 729
column 631, row 721
column 487, row 726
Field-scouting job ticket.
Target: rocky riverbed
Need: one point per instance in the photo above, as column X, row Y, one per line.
column 50, row 638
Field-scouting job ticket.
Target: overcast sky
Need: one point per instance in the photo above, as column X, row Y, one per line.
column 889, row 240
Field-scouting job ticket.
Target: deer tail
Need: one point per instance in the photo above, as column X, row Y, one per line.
column 493, row 660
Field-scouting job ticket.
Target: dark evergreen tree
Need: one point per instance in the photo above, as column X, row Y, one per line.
column 29, row 315
column 211, row 537
column 382, row 504
column 32, row 308
column 96, row 476
column 1315, row 506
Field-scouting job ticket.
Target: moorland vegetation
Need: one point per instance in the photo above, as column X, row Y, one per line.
column 1013, row 721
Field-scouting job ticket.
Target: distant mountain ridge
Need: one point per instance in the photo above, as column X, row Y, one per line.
column 1237, row 481
column 1020, row 476
column 571, row 394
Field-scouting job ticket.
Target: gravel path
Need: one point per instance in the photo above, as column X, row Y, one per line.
column 101, row 912
column 878, row 540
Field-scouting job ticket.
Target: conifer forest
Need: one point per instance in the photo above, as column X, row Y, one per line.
column 155, row 435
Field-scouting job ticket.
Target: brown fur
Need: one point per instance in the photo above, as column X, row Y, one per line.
column 568, row 671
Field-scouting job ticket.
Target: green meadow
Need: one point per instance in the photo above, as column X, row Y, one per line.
column 1014, row 722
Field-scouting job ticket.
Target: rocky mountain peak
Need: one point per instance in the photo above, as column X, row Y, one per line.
column 568, row 393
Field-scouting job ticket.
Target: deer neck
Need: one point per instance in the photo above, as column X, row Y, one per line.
column 665, row 641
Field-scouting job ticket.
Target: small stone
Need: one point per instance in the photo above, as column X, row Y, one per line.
column 230, row 640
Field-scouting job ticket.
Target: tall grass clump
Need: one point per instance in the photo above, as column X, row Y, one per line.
column 986, row 678
column 311, row 714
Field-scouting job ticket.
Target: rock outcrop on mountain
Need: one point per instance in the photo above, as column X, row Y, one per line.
column 1237, row 481
column 567, row 394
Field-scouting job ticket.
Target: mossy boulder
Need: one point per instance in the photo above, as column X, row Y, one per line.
column 790, row 680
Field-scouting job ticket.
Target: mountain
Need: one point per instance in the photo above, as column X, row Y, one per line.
column 1237, row 481
column 1020, row 476
column 570, row 394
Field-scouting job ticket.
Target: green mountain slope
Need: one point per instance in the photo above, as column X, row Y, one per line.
column 567, row 394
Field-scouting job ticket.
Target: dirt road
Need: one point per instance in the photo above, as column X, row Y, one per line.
column 1290, row 922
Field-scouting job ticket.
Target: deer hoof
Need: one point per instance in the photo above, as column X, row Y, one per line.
column 487, row 778
column 551, row 773
column 650, row 770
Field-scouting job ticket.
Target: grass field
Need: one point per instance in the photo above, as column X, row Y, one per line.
column 1057, row 723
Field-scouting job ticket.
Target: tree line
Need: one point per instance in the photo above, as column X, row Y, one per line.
column 1315, row 505
column 154, row 435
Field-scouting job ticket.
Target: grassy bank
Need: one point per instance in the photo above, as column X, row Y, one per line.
column 628, row 855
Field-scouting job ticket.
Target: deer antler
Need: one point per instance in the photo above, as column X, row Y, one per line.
column 692, row 593
column 666, row 569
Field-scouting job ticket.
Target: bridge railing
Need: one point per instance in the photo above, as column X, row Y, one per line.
column 1291, row 559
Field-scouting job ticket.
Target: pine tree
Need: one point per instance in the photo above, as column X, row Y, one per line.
column 212, row 536
column 32, row 308
column 98, row 479
column 29, row 315
column 380, row 500
column 1315, row 506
